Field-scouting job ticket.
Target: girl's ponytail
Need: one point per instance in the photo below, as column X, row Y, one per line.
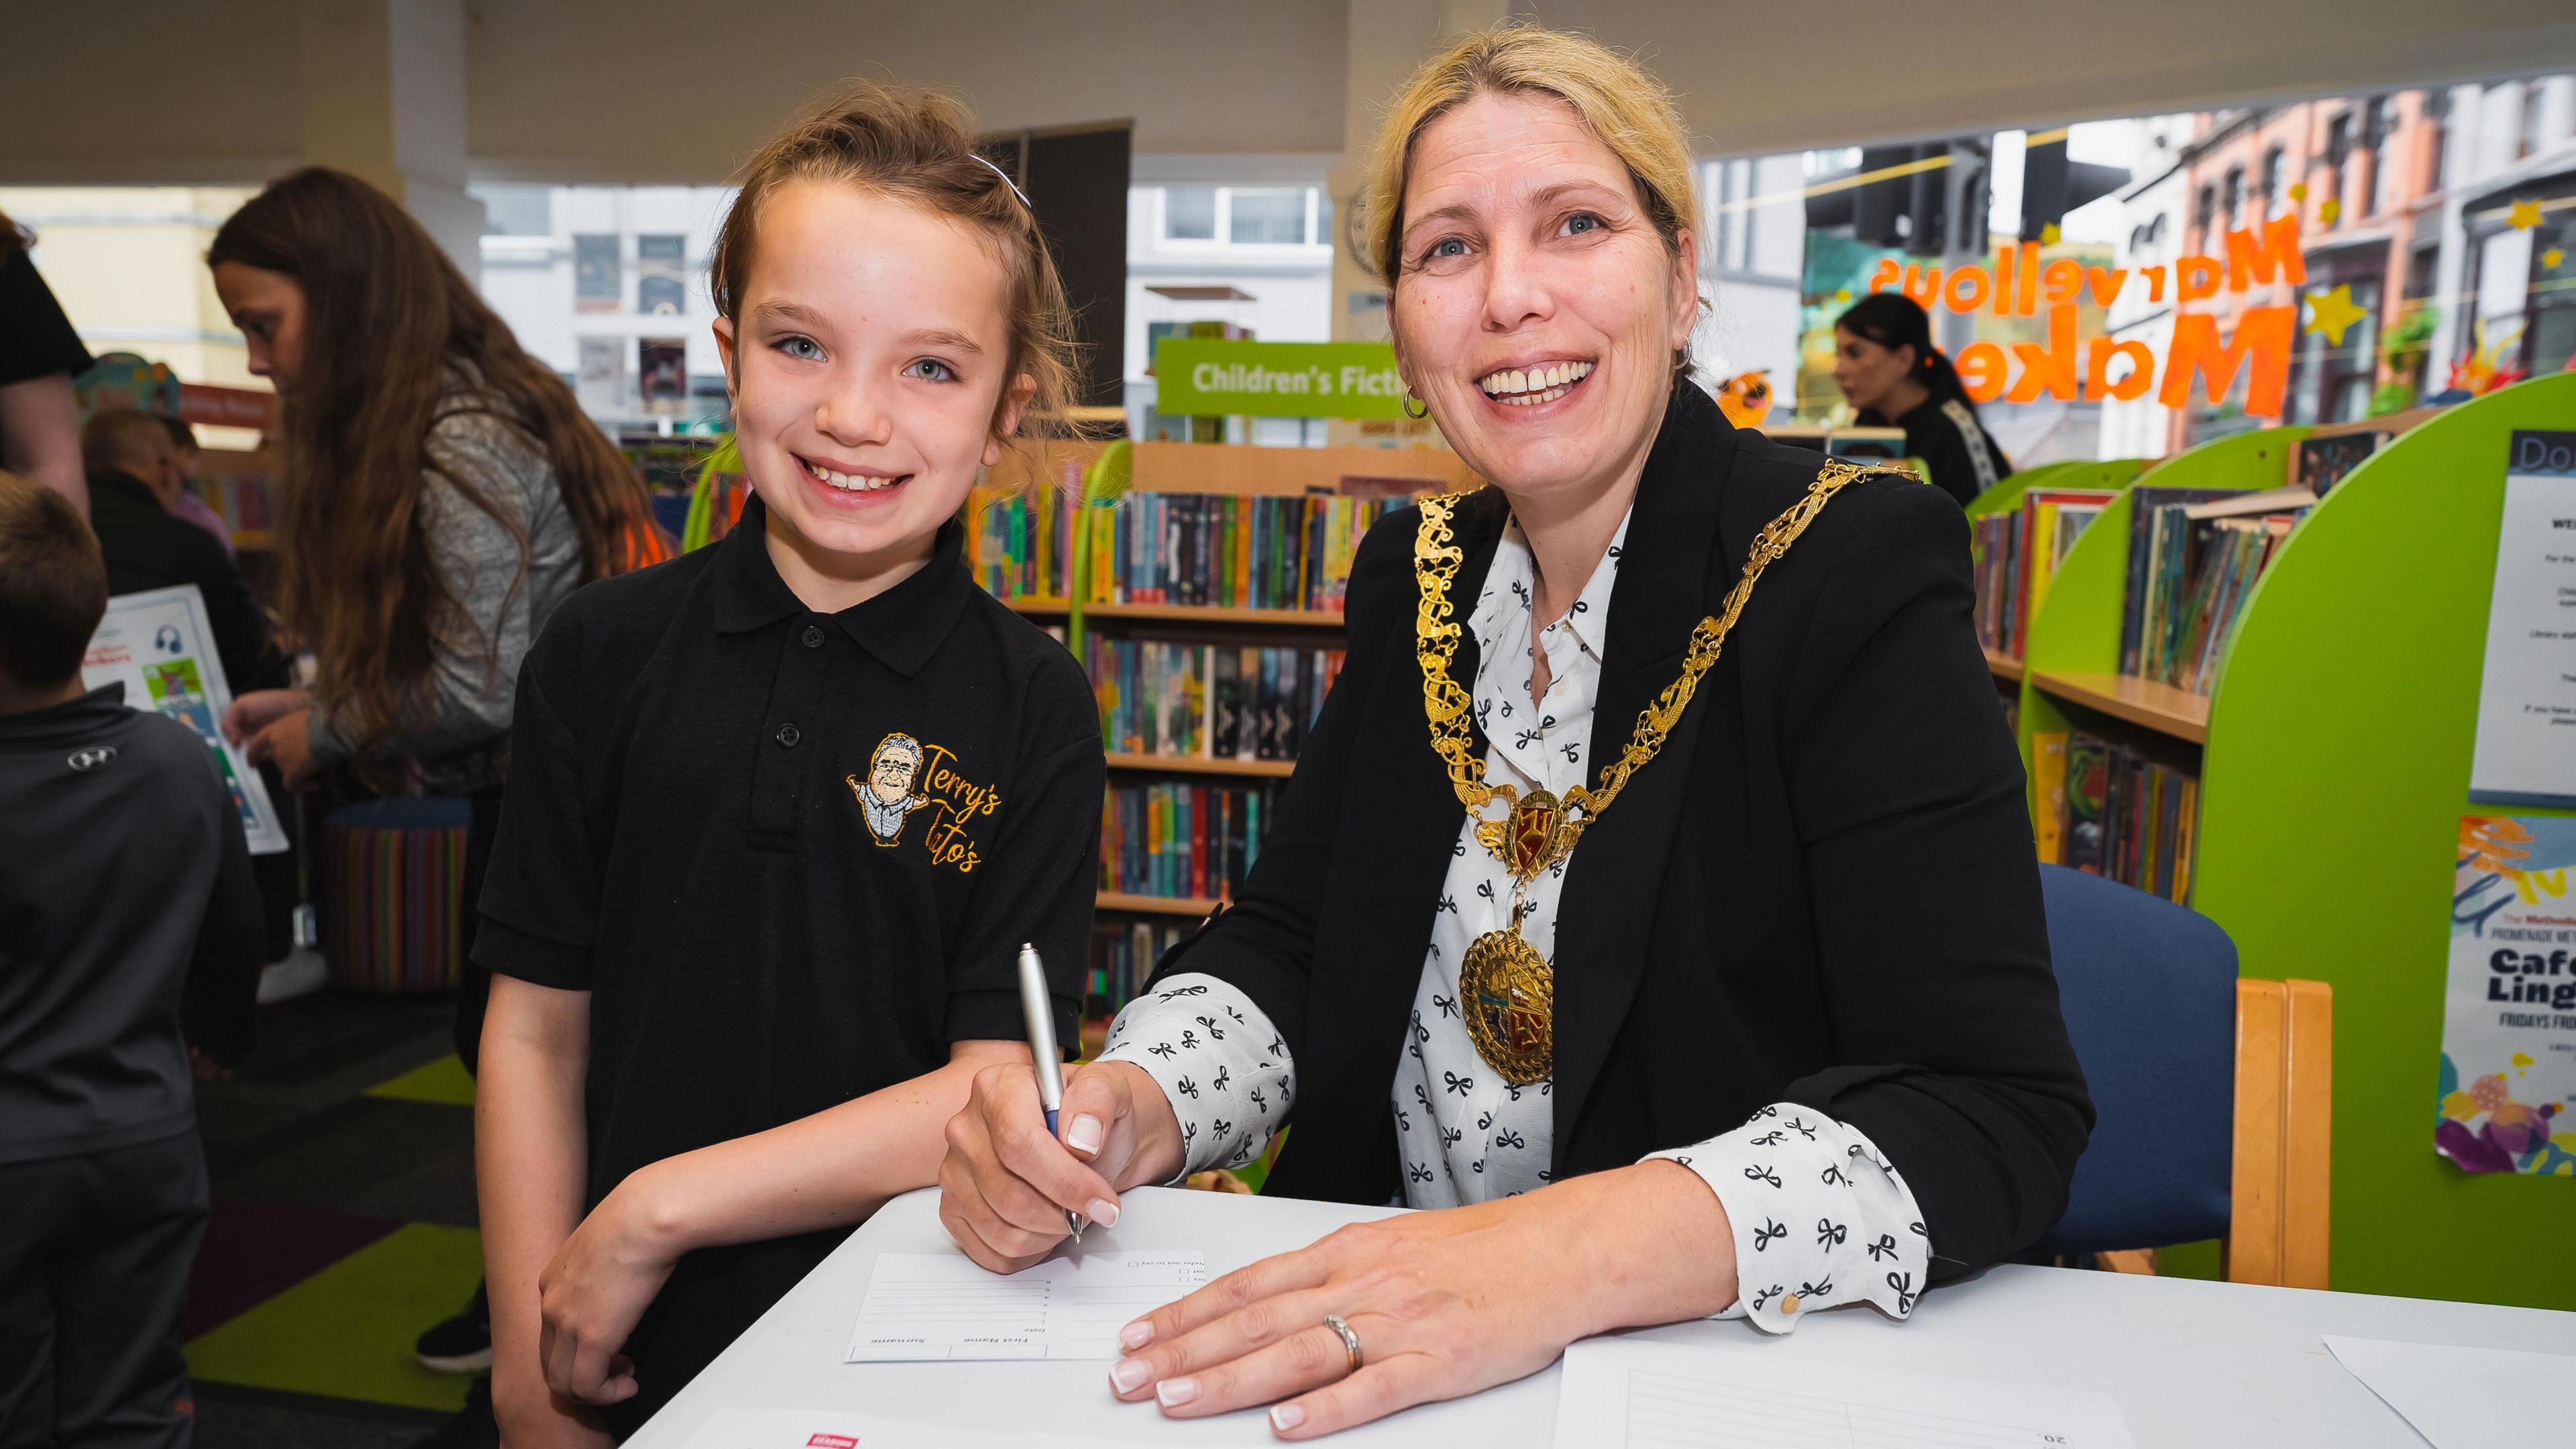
column 1893, row 320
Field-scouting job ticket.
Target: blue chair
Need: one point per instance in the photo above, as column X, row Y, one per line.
column 2212, row 1094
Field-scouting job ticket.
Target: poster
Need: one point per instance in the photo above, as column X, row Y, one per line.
column 2526, row 750
column 2509, row 1017
column 662, row 373
column 159, row 645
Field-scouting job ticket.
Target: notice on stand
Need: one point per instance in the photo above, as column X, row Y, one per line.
column 2526, row 751
column 159, row 645
column 2508, row 1084
column 1620, row 1392
column 940, row 1305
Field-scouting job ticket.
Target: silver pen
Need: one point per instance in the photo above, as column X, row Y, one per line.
column 1038, row 1005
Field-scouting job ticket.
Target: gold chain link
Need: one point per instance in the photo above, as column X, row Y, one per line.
column 1435, row 638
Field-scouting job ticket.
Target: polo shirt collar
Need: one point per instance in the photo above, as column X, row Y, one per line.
column 901, row 627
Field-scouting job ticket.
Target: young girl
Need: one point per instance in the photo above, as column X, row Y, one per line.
column 782, row 811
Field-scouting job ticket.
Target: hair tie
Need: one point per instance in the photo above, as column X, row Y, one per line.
column 1006, row 181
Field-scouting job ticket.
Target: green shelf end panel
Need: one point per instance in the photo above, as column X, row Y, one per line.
column 2334, row 781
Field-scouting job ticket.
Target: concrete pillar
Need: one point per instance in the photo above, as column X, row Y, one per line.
column 384, row 98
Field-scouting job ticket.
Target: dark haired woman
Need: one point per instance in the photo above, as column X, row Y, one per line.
column 442, row 494
column 40, row 354
column 1886, row 365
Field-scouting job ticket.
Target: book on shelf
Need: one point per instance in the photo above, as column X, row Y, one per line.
column 1207, row 701
column 1182, row 839
column 2018, row 553
column 2325, row 461
column 2124, row 814
column 1246, row 551
column 2193, row 561
column 243, row 501
column 1123, row 954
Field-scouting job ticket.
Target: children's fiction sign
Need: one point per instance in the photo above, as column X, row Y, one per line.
column 2019, row 284
column 1214, row 377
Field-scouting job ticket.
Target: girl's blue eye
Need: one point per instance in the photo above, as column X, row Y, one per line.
column 804, row 349
column 931, row 369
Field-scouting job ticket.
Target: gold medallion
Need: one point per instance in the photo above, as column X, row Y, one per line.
column 1509, row 995
column 1538, row 824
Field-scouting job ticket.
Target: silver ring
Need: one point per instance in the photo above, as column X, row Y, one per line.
column 1350, row 1340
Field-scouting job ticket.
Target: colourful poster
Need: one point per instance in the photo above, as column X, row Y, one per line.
column 2509, row 1019
column 160, row 647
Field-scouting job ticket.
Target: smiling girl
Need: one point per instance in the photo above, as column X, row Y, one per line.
column 782, row 811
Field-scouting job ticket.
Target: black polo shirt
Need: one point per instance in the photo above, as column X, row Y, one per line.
column 791, row 856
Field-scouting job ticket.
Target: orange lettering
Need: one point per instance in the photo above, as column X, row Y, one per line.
column 1886, row 275
column 2262, row 342
column 2195, row 278
column 2029, row 303
column 2049, row 369
column 2104, row 285
column 1982, row 367
column 2004, row 280
column 2253, row 257
column 2097, row 370
column 2063, row 279
column 2155, row 283
column 1963, row 280
column 1928, row 291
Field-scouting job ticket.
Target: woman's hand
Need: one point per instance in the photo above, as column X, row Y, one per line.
column 595, row 1290
column 1443, row 1303
column 1006, row 1185
column 287, row 742
column 257, row 710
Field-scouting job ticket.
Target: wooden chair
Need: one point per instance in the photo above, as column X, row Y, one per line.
column 2280, row 1187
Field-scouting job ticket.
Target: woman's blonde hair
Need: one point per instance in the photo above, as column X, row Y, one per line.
column 1627, row 108
column 918, row 147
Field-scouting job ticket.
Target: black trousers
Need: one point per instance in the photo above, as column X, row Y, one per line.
column 95, row 1253
column 473, row 983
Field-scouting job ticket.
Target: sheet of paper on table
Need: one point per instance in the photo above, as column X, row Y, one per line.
column 940, row 1305
column 2466, row 1398
column 1619, row 1392
column 839, row 1429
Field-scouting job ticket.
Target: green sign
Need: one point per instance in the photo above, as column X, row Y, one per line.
column 1212, row 376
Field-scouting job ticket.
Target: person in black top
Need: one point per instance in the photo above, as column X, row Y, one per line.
column 40, row 354
column 782, row 812
column 129, row 933
column 134, row 474
column 1885, row 363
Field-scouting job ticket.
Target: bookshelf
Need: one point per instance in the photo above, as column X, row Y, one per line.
column 2333, row 760
column 1185, row 613
column 2005, row 668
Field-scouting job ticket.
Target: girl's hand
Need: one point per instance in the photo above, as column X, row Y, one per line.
column 1006, row 1185
column 1444, row 1303
column 592, row 1294
column 287, row 743
column 257, row 710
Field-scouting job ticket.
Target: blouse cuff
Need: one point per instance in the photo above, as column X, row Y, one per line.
column 1217, row 1058
column 1820, row 1217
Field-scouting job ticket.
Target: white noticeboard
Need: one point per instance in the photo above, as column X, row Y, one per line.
column 2526, row 750
column 159, row 645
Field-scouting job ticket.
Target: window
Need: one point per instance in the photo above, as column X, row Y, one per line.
column 2526, row 137
column 2437, row 136
column 1189, row 213
column 2271, row 180
column 2338, row 151
column 2551, row 338
column 2330, row 384
column 1270, row 216
column 2205, row 206
column 661, row 275
column 516, row 210
column 597, row 278
column 2235, row 194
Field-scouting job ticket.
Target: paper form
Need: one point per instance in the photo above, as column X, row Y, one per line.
column 1621, row 1392
column 834, row 1429
column 2465, row 1398
column 940, row 1305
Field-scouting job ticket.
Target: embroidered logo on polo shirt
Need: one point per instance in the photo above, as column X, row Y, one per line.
column 905, row 776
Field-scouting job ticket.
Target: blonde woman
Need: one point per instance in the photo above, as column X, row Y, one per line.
column 1679, row 942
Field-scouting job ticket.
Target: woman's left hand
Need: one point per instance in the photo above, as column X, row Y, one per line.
column 287, row 742
column 592, row 1294
column 1443, row 1303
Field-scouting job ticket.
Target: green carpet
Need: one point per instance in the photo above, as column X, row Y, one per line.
column 346, row 1332
column 443, row 1082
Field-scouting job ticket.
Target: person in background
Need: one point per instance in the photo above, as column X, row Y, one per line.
column 136, row 479
column 40, row 354
column 132, row 931
column 1886, row 365
column 184, row 503
column 441, row 493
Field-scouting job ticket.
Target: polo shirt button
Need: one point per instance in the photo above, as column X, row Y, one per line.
column 813, row 637
column 788, row 736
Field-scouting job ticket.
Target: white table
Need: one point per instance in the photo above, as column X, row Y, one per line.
column 2190, row 1363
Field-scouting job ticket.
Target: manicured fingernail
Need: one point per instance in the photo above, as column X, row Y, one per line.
column 1084, row 1134
column 1130, row 1374
column 1136, row 1335
column 1102, row 1211
column 1175, row 1392
column 1284, row 1417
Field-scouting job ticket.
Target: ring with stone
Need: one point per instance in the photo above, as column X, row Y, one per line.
column 1350, row 1340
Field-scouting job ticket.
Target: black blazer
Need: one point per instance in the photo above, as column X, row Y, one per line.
column 1823, row 890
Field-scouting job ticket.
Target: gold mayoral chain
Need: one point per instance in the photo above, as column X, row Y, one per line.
column 1508, row 987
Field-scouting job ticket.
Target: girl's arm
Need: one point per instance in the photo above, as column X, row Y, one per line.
column 529, row 1146
column 826, row 1170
